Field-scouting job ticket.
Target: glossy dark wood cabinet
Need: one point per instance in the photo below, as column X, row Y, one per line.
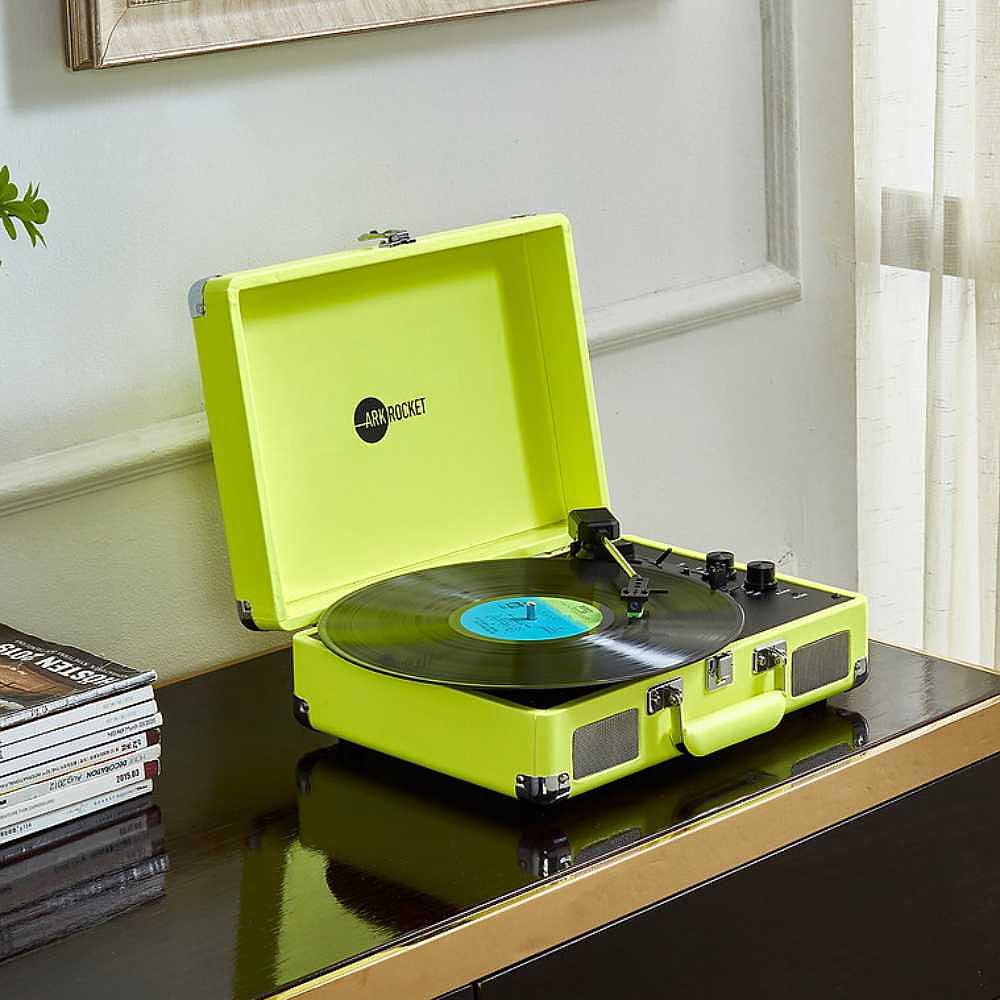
column 849, row 853
column 903, row 901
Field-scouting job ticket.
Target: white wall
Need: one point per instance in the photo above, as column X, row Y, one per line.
column 641, row 120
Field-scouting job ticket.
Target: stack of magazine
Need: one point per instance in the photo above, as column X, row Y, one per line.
column 78, row 734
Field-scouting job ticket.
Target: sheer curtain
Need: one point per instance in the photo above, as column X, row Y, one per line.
column 927, row 136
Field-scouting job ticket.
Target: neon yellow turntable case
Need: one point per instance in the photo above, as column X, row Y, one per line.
column 429, row 401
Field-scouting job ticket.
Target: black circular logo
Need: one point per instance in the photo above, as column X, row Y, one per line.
column 371, row 419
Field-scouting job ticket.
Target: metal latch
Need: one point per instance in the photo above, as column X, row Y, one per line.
column 774, row 654
column 669, row 694
column 719, row 671
column 387, row 237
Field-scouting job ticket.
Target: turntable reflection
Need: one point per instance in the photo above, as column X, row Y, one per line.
column 406, row 848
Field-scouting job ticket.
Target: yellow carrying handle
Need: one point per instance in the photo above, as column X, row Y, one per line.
column 721, row 729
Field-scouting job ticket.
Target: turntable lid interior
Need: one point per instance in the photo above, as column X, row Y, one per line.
column 379, row 410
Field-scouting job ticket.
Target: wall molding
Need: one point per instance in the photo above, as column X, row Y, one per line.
column 781, row 134
column 99, row 465
column 775, row 283
column 172, row 444
column 659, row 314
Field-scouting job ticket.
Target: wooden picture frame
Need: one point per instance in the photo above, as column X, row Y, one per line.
column 106, row 33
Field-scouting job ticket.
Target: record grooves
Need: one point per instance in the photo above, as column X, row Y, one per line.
column 470, row 625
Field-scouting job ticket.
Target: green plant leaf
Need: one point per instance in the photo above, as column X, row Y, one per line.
column 30, row 210
column 33, row 234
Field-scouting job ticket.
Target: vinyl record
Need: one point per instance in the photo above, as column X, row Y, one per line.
column 527, row 624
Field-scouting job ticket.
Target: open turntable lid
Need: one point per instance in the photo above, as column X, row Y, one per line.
column 385, row 409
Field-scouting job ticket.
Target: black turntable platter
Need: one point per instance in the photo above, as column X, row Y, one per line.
column 528, row 624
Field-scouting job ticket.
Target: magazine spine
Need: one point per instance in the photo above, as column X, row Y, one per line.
column 95, row 724
column 38, row 823
column 37, row 776
column 56, row 751
column 111, row 702
column 136, row 772
column 77, row 778
column 75, row 699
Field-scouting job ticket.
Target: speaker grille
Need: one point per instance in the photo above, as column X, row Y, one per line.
column 821, row 663
column 605, row 743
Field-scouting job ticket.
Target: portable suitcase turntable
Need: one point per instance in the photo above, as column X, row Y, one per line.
column 412, row 481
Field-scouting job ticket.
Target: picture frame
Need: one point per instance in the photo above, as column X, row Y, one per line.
column 105, row 33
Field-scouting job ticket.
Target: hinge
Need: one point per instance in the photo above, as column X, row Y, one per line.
column 387, row 237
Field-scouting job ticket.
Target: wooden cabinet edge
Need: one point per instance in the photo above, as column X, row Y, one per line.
column 555, row 912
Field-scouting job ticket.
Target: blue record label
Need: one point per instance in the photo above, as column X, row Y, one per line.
column 530, row 619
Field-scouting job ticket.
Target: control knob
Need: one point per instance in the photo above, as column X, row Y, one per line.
column 761, row 576
column 719, row 569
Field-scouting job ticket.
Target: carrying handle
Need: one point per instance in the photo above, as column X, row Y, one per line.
column 734, row 724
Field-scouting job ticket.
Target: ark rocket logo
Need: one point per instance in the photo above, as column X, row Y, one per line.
column 372, row 417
